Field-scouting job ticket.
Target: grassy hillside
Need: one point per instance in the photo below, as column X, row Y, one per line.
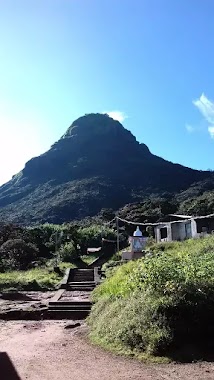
column 159, row 305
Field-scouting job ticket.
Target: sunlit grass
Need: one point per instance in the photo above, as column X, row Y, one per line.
column 33, row 279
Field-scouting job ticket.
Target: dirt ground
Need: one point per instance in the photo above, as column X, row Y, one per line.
column 47, row 351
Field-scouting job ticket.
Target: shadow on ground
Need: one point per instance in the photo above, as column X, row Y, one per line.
column 193, row 352
column 7, row 369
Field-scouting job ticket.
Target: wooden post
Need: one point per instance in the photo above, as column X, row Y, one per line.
column 118, row 241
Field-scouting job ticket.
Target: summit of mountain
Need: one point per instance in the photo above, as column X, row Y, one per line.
column 96, row 164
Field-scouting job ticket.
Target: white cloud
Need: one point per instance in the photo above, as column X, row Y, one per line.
column 190, row 128
column 211, row 131
column 117, row 115
column 206, row 107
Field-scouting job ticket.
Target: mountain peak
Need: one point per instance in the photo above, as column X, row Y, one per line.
column 96, row 164
column 94, row 124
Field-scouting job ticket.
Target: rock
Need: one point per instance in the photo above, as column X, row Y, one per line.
column 72, row 326
column 15, row 296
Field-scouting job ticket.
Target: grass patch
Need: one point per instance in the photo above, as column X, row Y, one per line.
column 33, row 279
column 63, row 266
column 88, row 259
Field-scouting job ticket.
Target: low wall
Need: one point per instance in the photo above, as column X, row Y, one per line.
column 127, row 255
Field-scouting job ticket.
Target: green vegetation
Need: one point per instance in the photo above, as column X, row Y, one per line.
column 28, row 255
column 198, row 205
column 33, row 279
column 24, row 248
column 88, row 259
column 159, row 304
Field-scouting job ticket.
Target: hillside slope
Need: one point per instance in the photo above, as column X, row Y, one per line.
column 96, row 164
column 162, row 304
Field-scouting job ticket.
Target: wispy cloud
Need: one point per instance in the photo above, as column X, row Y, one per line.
column 117, row 115
column 190, row 128
column 206, row 107
column 211, row 131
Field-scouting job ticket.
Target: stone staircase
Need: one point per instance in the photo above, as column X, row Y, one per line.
column 81, row 279
column 72, row 300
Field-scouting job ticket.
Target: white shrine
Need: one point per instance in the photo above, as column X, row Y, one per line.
column 137, row 244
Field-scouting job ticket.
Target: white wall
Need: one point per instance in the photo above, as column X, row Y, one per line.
column 158, row 232
column 179, row 231
column 176, row 231
column 194, row 228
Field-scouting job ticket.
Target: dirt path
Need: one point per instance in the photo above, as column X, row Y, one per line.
column 47, row 351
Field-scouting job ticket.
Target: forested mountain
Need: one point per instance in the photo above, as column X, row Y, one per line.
column 96, row 164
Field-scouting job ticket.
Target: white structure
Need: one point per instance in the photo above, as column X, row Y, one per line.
column 137, row 244
column 138, row 232
column 185, row 228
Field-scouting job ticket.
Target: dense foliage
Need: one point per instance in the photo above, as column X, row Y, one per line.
column 23, row 248
column 194, row 202
column 160, row 303
column 96, row 164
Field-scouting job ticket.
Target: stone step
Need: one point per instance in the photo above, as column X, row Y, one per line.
column 83, row 270
column 79, row 279
column 70, row 303
column 70, row 287
column 80, row 287
column 81, row 282
column 70, row 308
column 76, row 314
column 82, row 276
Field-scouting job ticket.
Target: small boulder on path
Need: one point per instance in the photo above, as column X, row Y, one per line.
column 72, row 326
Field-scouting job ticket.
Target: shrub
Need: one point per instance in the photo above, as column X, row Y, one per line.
column 133, row 322
column 92, row 236
column 67, row 252
column 17, row 254
column 158, row 302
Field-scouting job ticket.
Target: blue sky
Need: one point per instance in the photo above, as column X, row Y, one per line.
column 148, row 61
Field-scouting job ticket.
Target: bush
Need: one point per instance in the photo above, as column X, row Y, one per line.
column 67, row 252
column 160, row 302
column 92, row 236
column 17, row 254
column 132, row 322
